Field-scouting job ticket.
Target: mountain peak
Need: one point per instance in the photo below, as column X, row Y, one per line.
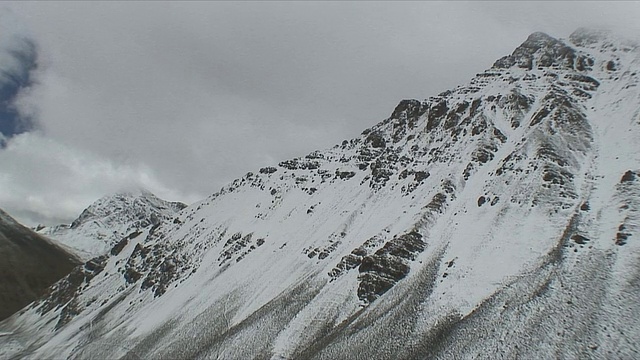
column 538, row 50
column 125, row 200
column 537, row 38
column 112, row 217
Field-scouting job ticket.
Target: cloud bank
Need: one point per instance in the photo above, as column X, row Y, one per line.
column 184, row 97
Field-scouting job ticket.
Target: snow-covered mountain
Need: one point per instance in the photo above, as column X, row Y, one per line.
column 495, row 220
column 110, row 219
column 29, row 264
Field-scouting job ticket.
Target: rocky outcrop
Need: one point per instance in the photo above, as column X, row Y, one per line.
column 380, row 271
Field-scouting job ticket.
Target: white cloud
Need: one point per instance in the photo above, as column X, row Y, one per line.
column 50, row 182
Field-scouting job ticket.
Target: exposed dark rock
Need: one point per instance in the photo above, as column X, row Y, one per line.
column 539, row 116
column 468, row 170
column 404, row 117
column 380, row 173
column 483, row 155
column 587, row 82
column 499, row 135
column 372, row 285
column 516, row 106
column 450, row 263
column 481, row 201
column 418, row 178
column 420, row 175
column 385, row 265
column 454, row 116
column 475, row 105
column 65, row 292
column 437, row 202
column 549, row 152
column 540, row 50
column 95, row 266
column 268, row 170
column 380, row 271
column 628, row 176
column 315, row 155
column 556, row 176
column 117, row 248
column 621, row 238
column 584, row 63
column 233, row 246
column 407, row 109
column 480, row 126
column 579, row 239
column 131, row 275
column 436, row 114
column 345, row 175
column 353, row 260
column 299, row 164
column 376, row 140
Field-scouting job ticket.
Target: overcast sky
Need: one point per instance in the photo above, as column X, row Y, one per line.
column 181, row 98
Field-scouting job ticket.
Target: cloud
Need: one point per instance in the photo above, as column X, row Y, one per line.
column 17, row 61
column 197, row 94
column 49, row 181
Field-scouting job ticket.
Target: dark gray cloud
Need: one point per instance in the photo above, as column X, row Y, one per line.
column 18, row 58
column 183, row 97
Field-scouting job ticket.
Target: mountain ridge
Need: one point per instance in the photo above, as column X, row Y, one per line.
column 473, row 220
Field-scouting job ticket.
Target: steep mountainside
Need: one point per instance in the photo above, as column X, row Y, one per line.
column 29, row 264
column 110, row 219
column 499, row 218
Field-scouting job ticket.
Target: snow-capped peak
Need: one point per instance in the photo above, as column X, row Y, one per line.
column 111, row 218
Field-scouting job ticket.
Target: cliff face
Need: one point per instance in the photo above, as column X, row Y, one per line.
column 498, row 217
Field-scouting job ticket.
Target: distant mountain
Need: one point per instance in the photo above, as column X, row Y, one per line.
column 29, row 264
column 499, row 219
column 110, row 219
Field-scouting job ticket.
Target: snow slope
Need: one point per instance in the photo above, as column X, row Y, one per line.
column 497, row 219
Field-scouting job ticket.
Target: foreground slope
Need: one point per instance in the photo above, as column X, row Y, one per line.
column 498, row 219
column 29, row 264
